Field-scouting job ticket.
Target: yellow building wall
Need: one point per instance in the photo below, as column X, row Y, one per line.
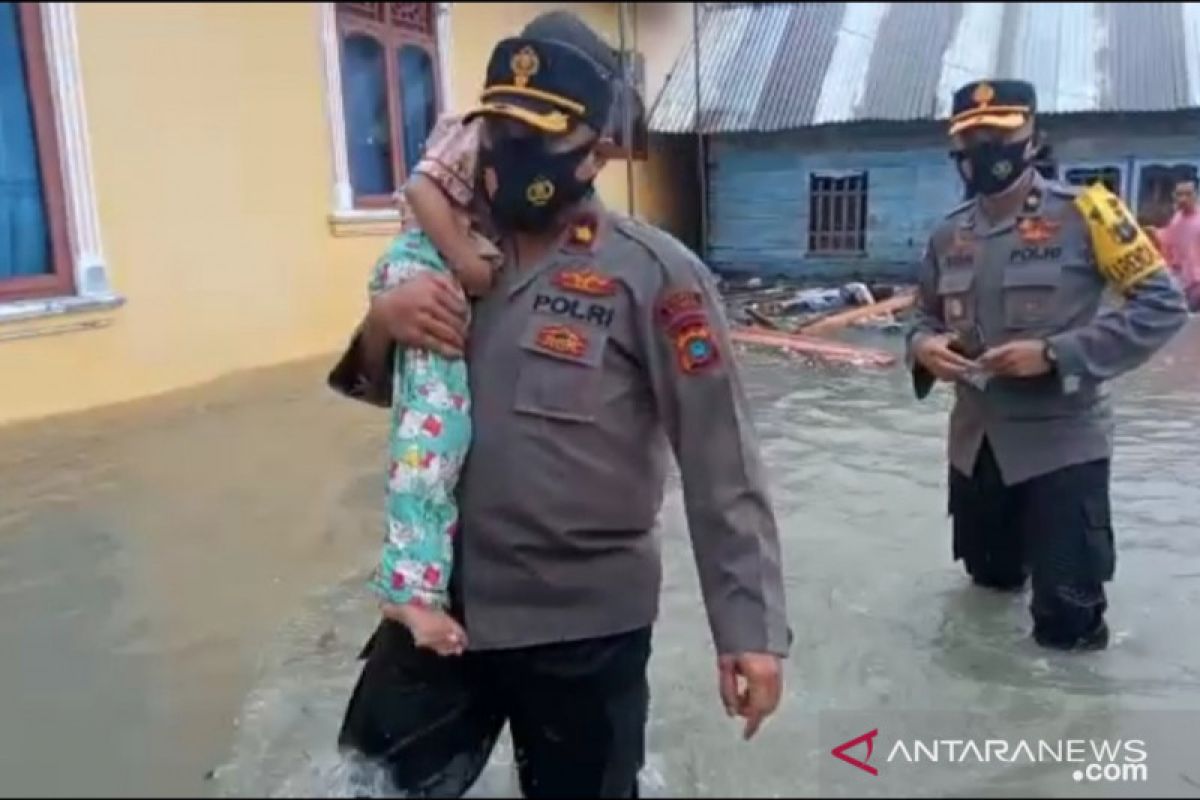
column 213, row 174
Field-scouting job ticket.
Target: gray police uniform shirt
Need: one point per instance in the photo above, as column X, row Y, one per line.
column 586, row 370
column 1044, row 274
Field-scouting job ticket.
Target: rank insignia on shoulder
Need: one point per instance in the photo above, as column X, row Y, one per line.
column 679, row 307
column 695, row 350
column 582, row 234
column 586, row 281
column 1033, row 202
column 562, row 339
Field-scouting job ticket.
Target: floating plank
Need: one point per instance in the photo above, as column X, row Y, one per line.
column 813, row 346
column 841, row 319
column 761, row 318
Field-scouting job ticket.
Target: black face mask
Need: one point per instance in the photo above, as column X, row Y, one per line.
column 995, row 166
column 532, row 184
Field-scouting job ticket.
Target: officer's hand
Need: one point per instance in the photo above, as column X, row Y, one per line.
column 427, row 311
column 1021, row 359
column 934, row 354
column 751, row 684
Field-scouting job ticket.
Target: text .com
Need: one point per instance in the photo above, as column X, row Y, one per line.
column 1112, row 773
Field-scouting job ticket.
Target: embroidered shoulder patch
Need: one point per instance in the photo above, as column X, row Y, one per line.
column 695, row 349
column 679, row 306
column 586, row 281
column 1124, row 253
column 685, row 320
column 562, row 339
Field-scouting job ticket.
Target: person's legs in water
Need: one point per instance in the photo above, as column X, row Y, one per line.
column 578, row 713
column 1067, row 521
column 987, row 536
column 428, row 721
column 430, row 435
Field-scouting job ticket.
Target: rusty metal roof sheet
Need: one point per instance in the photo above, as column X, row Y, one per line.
column 780, row 66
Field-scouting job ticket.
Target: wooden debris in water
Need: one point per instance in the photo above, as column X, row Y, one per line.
column 840, row 319
column 815, row 347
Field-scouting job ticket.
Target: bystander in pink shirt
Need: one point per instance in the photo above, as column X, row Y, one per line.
column 1180, row 239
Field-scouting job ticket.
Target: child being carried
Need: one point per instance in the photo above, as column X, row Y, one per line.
column 431, row 405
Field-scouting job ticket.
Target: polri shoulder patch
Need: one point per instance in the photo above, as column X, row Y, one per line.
column 683, row 316
column 695, row 349
column 679, row 306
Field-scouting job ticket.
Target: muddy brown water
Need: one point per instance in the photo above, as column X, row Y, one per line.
column 181, row 591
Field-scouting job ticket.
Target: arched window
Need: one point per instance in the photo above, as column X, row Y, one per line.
column 389, row 93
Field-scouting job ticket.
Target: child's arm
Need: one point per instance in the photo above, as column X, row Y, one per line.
column 436, row 217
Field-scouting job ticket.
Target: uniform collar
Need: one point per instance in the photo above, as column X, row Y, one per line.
column 588, row 224
column 978, row 222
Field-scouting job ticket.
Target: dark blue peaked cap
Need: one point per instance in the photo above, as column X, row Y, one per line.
column 998, row 104
column 546, row 85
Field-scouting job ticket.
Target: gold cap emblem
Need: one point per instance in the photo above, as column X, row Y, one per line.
column 984, row 94
column 539, row 192
column 525, row 64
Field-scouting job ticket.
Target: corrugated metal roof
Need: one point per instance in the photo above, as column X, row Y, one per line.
column 781, row 66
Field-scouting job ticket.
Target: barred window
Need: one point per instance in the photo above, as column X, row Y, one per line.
column 837, row 218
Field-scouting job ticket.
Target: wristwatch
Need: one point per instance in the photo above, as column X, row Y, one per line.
column 1049, row 354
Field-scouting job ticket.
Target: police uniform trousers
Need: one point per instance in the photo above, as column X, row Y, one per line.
column 1056, row 527
column 576, row 711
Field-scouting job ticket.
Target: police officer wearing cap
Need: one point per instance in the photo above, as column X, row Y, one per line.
column 601, row 347
column 1012, row 314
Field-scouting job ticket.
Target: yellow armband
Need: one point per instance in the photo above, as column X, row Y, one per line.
column 1124, row 253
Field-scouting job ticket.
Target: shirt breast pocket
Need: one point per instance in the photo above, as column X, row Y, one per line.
column 560, row 370
column 1031, row 296
column 954, row 293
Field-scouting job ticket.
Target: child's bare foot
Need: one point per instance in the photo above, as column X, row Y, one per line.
column 430, row 627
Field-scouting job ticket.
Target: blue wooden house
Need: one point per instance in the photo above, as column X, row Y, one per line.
column 822, row 125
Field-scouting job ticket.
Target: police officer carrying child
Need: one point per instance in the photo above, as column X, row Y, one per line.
column 601, row 342
column 1010, row 313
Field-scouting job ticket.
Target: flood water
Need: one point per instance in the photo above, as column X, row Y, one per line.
column 181, row 594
